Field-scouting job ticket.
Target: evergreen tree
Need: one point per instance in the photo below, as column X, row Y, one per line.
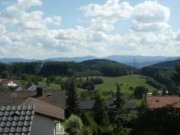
column 100, row 113
column 72, row 97
column 119, row 98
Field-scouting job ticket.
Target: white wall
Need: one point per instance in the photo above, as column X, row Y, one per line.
column 42, row 125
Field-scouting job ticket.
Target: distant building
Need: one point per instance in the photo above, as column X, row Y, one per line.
column 149, row 94
column 33, row 87
column 8, row 84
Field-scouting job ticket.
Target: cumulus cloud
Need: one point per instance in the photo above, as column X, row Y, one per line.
column 106, row 15
column 111, row 9
column 150, row 16
column 32, row 34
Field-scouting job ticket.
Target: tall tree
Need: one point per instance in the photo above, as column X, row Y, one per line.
column 72, row 97
column 119, row 98
column 100, row 113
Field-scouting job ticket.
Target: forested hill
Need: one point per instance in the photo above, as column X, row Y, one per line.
column 90, row 67
column 108, row 67
column 170, row 64
column 102, row 62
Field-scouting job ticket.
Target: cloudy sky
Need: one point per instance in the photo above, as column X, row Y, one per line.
column 66, row 28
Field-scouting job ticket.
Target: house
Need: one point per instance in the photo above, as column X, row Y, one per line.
column 149, row 94
column 8, row 84
column 48, row 110
column 33, row 87
column 37, row 118
column 16, row 120
column 163, row 101
column 56, row 98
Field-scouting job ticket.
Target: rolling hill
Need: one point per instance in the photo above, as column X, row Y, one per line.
column 169, row 64
column 135, row 61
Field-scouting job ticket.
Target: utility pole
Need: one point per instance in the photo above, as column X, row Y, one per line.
column 134, row 62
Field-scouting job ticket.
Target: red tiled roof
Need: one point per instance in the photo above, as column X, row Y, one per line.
column 162, row 101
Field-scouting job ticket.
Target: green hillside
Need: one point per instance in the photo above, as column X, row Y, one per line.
column 125, row 82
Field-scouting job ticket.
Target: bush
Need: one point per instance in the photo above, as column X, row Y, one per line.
column 105, row 130
column 97, row 80
column 89, row 121
column 73, row 125
column 140, row 92
column 87, row 131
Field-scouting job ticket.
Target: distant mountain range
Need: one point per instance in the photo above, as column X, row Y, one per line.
column 135, row 61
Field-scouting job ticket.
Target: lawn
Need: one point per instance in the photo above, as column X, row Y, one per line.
column 52, row 86
column 125, row 82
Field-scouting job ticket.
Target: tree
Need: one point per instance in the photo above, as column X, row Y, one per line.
column 176, row 76
column 160, row 121
column 5, row 75
column 73, row 125
column 87, row 131
column 140, row 92
column 119, row 98
column 100, row 113
column 72, row 96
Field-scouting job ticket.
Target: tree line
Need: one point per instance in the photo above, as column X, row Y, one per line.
column 47, row 69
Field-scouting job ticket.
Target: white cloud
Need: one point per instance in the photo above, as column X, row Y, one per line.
column 105, row 16
column 111, row 9
column 151, row 16
column 32, row 34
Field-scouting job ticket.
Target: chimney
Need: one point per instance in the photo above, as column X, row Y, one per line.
column 39, row 91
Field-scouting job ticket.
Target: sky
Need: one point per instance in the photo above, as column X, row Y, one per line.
column 39, row 29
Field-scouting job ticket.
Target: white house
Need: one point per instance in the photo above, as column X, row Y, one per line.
column 8, row 83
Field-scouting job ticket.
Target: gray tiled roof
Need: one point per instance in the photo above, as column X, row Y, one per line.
column 16, row 120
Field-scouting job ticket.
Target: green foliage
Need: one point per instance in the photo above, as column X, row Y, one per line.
column 97, row 80
column 140, row 92
column 154, row 83
column 72, row 97
column 73, row 125
column 88, row 120
column 105, row 130
column 88, row 85
column 123, row 121
column 125, row 82
column 119, row 98
column 100, row 109
column 5, row 75
column 161, row 121
column 87, row 131
column 160, row 74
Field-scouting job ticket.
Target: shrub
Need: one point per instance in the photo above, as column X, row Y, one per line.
column 73, row 125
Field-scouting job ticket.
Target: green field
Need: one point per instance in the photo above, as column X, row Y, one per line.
column 125, row 82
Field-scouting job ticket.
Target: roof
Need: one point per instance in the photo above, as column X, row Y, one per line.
column 86, row 104
column 45, row 109
column 16, row 120
column 162, row 101
column 15, row 98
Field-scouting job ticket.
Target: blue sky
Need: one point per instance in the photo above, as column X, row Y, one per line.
column 64, row 28
column 69, row 10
